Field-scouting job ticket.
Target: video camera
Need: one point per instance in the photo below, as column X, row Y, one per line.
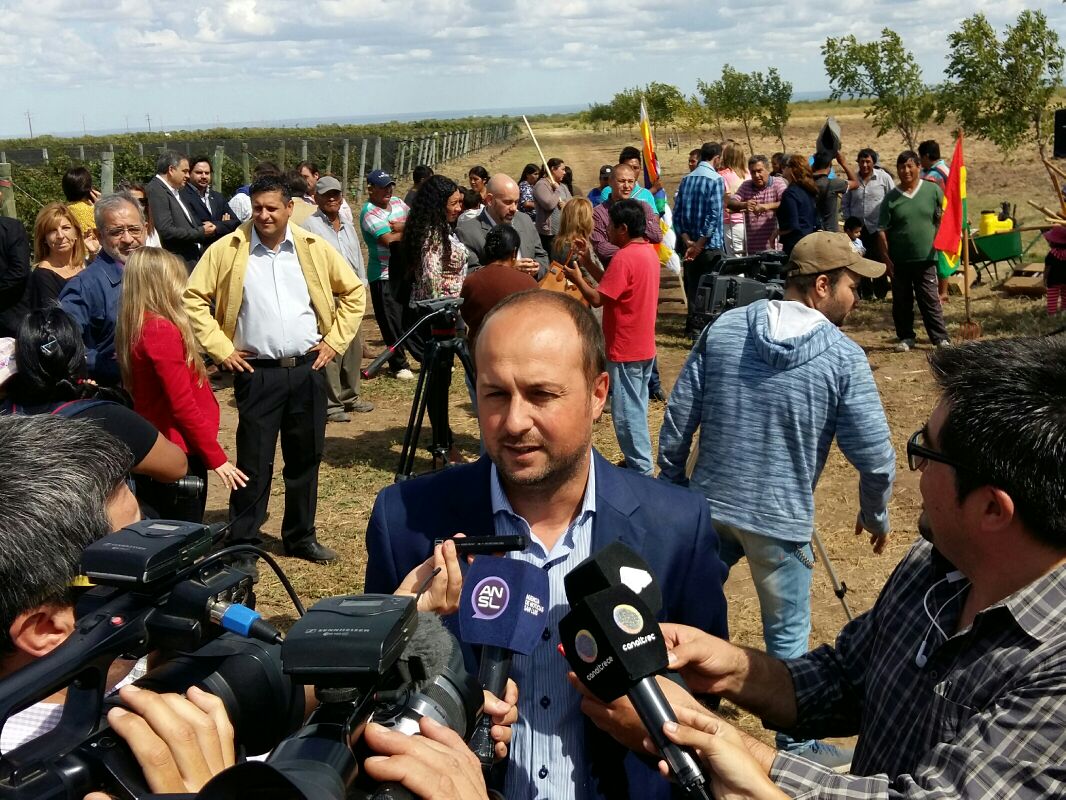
column 740, row 281
column 160, row 589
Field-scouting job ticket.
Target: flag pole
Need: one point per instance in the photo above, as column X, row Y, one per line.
column 543, row 160
column 969, row 329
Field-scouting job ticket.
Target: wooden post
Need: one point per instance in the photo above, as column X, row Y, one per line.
column 81, row 152
column 377, row 152
column 245, row 166
column 362, row 171
column 140, row 148
column 7, row 190
column 107, row 172
column 303, row 149
column 329, row 158
column 281, row 155
column 344, row 166
column 44, row 154
column 216, row 167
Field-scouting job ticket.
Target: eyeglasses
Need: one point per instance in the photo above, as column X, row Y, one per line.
column 918, row 453
column 132, row 230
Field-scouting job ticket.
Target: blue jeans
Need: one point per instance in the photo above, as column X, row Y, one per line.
column 781, row 571
column 629, row 411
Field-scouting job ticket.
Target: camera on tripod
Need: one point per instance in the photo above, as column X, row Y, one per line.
column 740, row 281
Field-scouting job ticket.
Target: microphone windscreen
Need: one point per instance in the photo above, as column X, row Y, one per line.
column 504, row 604
column 614, row 565
column 612, row 642
column 433, row 645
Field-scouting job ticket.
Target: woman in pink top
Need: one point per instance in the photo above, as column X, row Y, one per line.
column 734, row 171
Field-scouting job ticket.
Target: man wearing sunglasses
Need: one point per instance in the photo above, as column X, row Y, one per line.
column 955, row 680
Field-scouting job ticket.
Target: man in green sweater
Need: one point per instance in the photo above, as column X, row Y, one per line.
column 910, row 214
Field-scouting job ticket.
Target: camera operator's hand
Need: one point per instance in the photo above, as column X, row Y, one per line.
column 706, row 662
column 179, row 742
column 619, row 719
column 737, row 764
column 504, row 714
column 442, row 594
column 437, row 765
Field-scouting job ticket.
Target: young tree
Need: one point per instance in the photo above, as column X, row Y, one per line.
column 1002, row 91
column 714, row 102
column 740, row 95
column 625, row 107
column 663, row 101
column 886, row 72
column 692, row 116
column 775, row 105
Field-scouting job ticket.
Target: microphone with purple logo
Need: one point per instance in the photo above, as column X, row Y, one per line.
column 503, row 608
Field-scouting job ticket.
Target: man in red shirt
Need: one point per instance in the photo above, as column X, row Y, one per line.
column 629, row 295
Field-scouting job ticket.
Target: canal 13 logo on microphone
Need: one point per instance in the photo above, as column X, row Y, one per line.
column 490, row 597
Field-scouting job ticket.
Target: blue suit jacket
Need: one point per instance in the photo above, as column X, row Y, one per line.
column 670, row 527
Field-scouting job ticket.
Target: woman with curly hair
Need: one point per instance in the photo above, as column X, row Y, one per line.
column 798, row 214
column 434, row 265
column 526, row 203
column 59, row 248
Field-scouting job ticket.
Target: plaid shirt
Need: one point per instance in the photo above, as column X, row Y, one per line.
column 984, row 717
column 700, row 207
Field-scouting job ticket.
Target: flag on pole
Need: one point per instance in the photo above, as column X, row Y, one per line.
column 949, row 237
column 667, row 256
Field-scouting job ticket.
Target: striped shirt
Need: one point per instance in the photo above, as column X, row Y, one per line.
column 978, row 715
column 547, row 758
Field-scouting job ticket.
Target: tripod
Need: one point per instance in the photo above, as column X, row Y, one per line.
column 431, row 391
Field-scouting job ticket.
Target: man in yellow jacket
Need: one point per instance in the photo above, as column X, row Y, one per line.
column 274, row 304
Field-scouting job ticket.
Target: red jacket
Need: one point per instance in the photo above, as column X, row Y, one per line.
column 167, row 392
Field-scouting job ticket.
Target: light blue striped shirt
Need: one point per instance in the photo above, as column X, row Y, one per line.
column 548, row 747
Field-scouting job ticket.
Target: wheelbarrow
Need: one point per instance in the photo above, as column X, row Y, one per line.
column 989, row 251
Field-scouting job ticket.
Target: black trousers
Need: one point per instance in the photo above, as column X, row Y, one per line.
column 161, row 501
column 389, row 314
column 706, row 262
column 290, row 402
column 873, row 287
column 912, row 281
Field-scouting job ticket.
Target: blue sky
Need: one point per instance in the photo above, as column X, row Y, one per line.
column 112, row 62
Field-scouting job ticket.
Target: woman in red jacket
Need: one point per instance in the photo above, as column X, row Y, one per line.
column 163, row 371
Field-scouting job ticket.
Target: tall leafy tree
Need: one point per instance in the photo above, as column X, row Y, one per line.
column 885, row 71
column 775, row 105
column 714, row 101
column 692, row 116
column 741, row 93
column 663, row 102
column 1002, row 91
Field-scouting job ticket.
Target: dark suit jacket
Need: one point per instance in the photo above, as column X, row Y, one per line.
column 219, row 208
column 14, row 275
column 177, row 234
column 472, row 232
column 670, row 527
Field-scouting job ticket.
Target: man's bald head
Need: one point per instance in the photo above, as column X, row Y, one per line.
column 501, row 198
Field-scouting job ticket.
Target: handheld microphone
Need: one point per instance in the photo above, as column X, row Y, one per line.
column 615, row 647
column 502, row 607
column 614, row 565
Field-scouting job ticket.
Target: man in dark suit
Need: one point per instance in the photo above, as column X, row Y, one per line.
column 14, row 275
column 179, row 231
column 501, row 207
column 204, row 203
column 541, row 384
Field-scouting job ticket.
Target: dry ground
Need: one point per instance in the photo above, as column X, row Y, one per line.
column 360, row 457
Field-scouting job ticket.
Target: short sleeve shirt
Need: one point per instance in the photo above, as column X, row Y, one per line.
column 630, row 289
column 761, row 226
column 374, row 223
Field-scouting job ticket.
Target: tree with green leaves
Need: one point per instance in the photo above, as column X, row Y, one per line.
column 1002, row 91
column 663, row 102
column 775, row 104
column 692, row 116
column 885, row 71
column 625, row 107
column 741, row 93
column 714, row 102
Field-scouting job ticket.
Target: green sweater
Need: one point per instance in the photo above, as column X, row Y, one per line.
column 910, row 223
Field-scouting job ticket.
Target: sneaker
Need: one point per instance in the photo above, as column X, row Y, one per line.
column 905, row 345
column 826, row 755
column 944, row 343
column 359, row 406
column 338, row 416
column 404, row 375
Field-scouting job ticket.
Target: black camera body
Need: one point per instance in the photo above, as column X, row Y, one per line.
column 740, row 281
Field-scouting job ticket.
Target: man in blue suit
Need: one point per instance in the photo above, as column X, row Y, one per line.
column 205, row 204
column 541, row 384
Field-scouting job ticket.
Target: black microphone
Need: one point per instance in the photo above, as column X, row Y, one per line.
column 615, row 647
column 614, row 565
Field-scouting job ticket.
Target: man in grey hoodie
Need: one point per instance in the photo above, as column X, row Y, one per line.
column 771, row 384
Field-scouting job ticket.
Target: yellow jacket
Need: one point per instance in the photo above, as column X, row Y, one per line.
column 337, row 294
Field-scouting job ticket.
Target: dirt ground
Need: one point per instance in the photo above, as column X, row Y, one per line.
column 361, row 456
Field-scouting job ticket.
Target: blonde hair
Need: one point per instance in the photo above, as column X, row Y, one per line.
column 152, row 283
column 46, row 222
column 575, row 221
column 733, row 157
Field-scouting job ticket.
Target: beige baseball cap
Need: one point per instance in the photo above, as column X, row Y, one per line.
column 824, row 251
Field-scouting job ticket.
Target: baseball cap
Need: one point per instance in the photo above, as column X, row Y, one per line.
column 605, row 171
column 327, row 184
column 824, row 251
column 380, row 178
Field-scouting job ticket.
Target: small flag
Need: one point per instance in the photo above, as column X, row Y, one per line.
column 949, row 238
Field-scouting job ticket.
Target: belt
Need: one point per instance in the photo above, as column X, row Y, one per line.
column 288, row 362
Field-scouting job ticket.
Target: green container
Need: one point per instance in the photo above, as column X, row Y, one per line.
column 999, row 246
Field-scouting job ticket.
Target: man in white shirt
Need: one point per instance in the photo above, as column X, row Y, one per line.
column 180, row 231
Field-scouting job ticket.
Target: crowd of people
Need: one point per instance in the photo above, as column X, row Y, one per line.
column 952, row 682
